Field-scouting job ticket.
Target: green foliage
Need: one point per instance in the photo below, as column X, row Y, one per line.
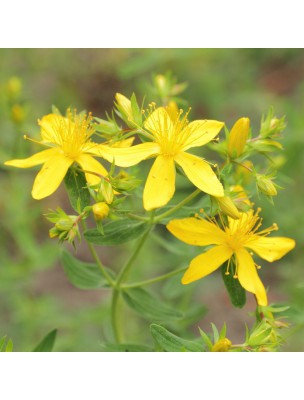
column 82, row 275
column 149, row 306
column 236, row 292
column 116, row 232
column 167, row 341
column 125, row 347
column 76, row 186
column 47, row 343
column 6, row 345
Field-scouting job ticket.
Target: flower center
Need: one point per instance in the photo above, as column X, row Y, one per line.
column 239, row 232
column 70, row 133
column 169, row 130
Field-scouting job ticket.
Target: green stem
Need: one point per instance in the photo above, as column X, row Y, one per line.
column 138, row 217
column 121, row 277
column 153, row 280
column 97, row 259
column 178, row 206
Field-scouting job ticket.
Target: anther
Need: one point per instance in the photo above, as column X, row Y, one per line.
column 227, row 273
column 235, row 276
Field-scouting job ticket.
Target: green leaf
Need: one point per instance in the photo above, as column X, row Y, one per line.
column 206, row 339
column 236, row 292
column 47, row 343
column 2, row 342
column 145, row 304
column 9, row 346
column 76, row 186
column 116, row 232
column 136, row 111
column 170, row 342
column 81, row 274
column 125, row 347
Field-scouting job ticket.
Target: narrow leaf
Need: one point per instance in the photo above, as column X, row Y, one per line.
column 9, row 346
column 170, row 342
column 116, row 232
column 81, row 274
column 145, row 304
column 75, row 184
column 47, row 343
column 236, row 292
column 2, row 342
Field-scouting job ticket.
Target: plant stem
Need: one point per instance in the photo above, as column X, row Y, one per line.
column 153, row 280
column 121, row 277
column 178, row 206
column 97, row 259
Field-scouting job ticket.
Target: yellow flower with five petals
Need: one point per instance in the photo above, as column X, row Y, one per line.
column 231, row 243
column 69, row 141
column 171, row 137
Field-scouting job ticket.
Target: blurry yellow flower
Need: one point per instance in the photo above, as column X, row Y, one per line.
column 171, row 138
column 69, row 139
column 231, row 242
column 238, row 137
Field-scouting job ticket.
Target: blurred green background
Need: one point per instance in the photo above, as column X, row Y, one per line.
column 223, row 84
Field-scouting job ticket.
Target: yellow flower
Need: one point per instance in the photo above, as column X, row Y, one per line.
column 232, row 242
column 69, row 139
column 171, row 138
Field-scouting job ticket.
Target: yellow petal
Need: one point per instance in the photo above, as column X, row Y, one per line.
column 200, row 174
column 160, row 185
column 159, row 123
column 248, row 276
column 50, row 176
column 271, row 248
column 173, row 110
column 197, row 232
column 206, row 263
column 88, row 163
column 36, row 159
column 124, row 143
column 125, row 157
column 50, row 127
column 201, row 132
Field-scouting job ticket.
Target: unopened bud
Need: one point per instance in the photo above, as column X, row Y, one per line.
column 266, row 185
column 238, row 137
column 160, row 82
column 100, row 211
column 173, row 111
column 14, row 87
column 18, row 113
column 107, row 192
column 228, row 207
column 222, row 345
column 124, row 106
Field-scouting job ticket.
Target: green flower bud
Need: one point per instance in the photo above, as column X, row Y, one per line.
column 265, row 185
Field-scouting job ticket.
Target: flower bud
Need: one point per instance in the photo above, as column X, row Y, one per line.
column 18, row 113
column 14, row 87
column 107, row 192
column 100, row 211
column 265, row 185
column 238, row 137
column 228, row 207
column 222, row 345
column 124, row 106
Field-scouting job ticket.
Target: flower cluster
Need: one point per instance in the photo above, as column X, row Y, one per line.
column 166, row 135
